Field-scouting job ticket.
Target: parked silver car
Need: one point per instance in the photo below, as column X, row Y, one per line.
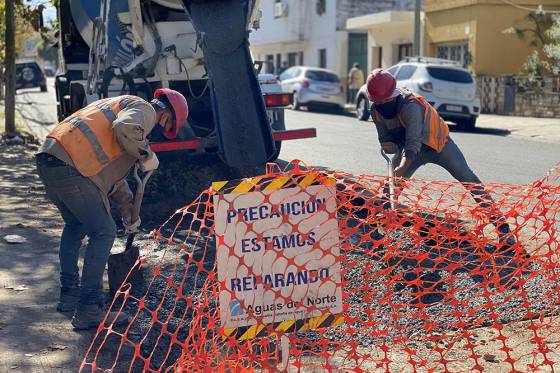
column 445, row 84
column 313, row 86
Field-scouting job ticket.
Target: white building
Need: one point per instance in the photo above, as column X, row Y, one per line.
column 390, row 36
column 313, row 33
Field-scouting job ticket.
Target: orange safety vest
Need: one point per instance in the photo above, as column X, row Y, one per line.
column 434, row 130
column 88, row 137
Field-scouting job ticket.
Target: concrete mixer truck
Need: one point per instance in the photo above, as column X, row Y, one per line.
column 198, row 47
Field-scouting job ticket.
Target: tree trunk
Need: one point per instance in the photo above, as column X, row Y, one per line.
column 1, row 84
column 10, row 69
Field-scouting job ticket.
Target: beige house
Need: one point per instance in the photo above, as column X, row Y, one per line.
column 471, row 31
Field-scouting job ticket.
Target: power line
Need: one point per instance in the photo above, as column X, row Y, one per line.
column 527, row 8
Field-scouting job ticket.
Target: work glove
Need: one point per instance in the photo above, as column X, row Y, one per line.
column 389, row 147
column 150, row 164
column 131, row 227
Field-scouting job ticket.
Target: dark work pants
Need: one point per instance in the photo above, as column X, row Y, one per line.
column 452, row 159
column 81, row 205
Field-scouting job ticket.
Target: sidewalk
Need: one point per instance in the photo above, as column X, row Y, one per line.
column 536, row 129
column 34, row 337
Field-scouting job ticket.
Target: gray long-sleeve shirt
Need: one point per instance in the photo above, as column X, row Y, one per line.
column 408, row 138
column 132, row 126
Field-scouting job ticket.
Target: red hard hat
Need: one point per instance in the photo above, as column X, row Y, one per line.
column 380, row 85
column 180, row 109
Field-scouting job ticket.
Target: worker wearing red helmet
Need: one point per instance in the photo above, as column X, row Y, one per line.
column 406, row 121
column 83, row 164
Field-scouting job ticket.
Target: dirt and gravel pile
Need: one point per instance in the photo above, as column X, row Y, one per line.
column 391, row 295
column 397, row 288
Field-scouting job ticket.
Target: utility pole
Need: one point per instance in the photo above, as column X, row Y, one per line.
column 10, row 69
column 417, row 27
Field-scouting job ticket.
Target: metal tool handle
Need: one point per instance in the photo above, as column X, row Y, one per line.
column 391, row 171
column 138, row 196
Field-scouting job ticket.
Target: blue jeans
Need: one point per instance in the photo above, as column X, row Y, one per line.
column 451, row 158
column 81, row 205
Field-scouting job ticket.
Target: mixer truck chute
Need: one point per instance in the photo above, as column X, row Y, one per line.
column 198, row 47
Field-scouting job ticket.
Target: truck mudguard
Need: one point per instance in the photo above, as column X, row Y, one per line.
column 241, row 122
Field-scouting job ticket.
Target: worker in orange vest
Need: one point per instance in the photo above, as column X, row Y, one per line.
column 83, row 164
column 406, row 121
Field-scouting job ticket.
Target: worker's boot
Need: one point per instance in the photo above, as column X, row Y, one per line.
column 91, row 315
column 68, row 300
column 508, row 243
column 510, row 267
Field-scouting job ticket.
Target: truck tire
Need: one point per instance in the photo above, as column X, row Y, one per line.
column 278, row 125
column 62, row 92
column 296, row 105
column 77, row 96
column 276, row 154
column 362, row 110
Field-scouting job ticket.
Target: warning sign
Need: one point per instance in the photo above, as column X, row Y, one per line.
column 277, row 253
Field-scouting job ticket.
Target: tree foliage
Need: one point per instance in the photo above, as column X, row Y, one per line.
column 533, row 27
column 28, row 25
column 552, row 49
column 47, row 52
column 542, row 30
column 24, row 27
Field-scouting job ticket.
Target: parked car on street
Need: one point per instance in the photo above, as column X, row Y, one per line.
column 30, row 75
column 312, row 86
column 445, row 84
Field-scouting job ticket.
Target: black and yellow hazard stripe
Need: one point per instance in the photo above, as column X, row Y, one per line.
column 270, row 183
column 289, row 326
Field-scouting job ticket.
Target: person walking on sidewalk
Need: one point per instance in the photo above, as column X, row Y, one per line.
column 83, row 164
column 408, row 122
column 355, row 81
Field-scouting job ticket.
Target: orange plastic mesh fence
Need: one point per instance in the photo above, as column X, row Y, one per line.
column 308, row 270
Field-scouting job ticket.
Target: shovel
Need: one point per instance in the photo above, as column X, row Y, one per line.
column 391, row 169
column 119, row 265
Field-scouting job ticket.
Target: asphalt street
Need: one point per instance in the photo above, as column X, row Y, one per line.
column 347, row 144
column 495, row 153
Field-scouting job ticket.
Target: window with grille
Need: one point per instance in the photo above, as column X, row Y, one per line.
column 454, row 52
column 292, row 59
column 321, row 7
column 280, row 9
column 323, row 58
column 404, row 50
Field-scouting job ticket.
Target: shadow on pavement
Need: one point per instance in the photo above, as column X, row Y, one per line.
column 492, row 131
column 327, row 110
column 33, row 335
column 286, row 166
column 32, row 119
column 481, row 130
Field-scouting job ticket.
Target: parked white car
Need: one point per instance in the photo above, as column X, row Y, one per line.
column 445, row 84
column 313, row 86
